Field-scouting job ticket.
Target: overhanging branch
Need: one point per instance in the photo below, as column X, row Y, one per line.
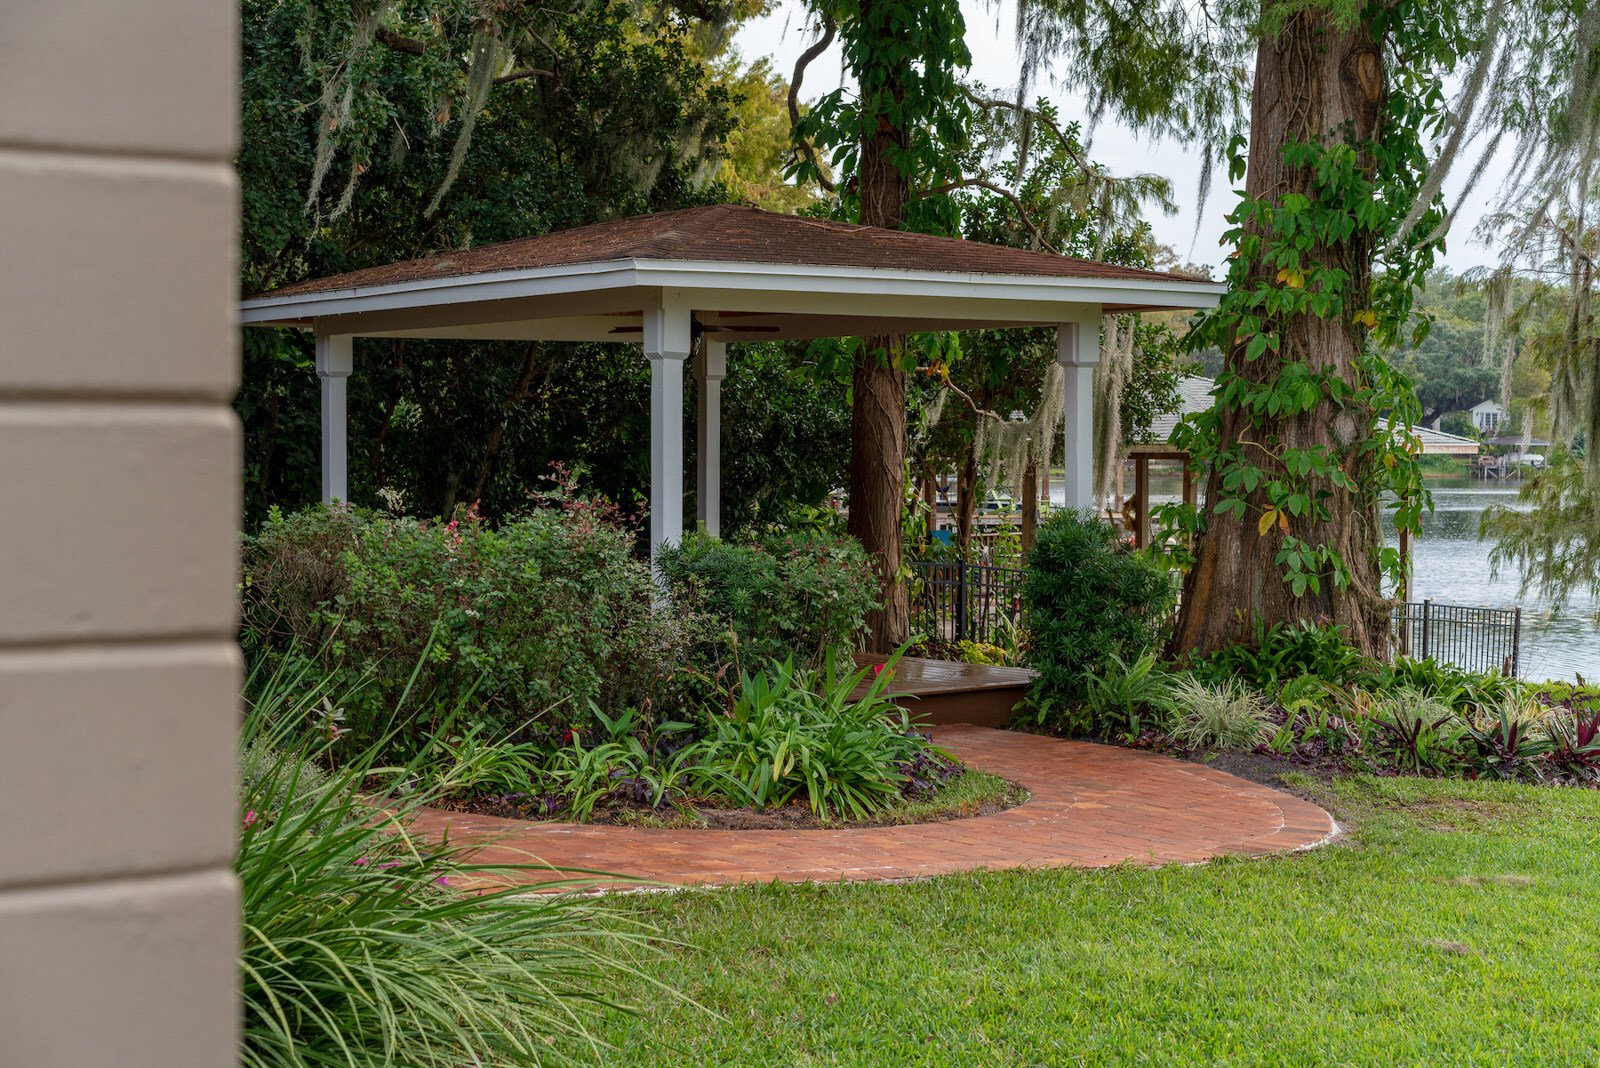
column 807, row 149
column 1001, row 191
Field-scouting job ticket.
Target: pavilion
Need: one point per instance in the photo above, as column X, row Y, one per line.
column 687, row 283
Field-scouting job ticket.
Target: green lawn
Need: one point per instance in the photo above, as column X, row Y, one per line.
column 1457, row 924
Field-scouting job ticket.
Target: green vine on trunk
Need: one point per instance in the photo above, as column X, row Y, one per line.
column 1354, row 194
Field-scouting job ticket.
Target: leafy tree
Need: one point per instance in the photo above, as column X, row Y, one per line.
column 370, row 135
column 1452, row 366
column 899, row 139
column 1047, row 194
column 1350, row 136
column 892, row 139
column 757, row 151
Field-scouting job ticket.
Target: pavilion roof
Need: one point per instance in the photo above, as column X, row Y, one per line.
column 730, row 233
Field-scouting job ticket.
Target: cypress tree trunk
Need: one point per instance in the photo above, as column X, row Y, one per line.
column 1315, row 81
column 878, row 412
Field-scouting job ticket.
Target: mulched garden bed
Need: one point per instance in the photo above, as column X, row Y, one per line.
column 995, row 795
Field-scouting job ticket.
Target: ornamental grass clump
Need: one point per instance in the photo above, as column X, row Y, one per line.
column 1219, row 716
column 365, row 945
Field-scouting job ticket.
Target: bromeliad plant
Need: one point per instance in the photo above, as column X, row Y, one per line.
column 1419, row 731
column 1574, row 736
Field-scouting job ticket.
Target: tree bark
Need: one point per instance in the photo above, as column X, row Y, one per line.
column 1315, row 81
column 966, row 500
column 1030, row 502
column 878, row 412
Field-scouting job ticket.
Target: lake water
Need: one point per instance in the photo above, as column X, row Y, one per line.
column 1451, row 566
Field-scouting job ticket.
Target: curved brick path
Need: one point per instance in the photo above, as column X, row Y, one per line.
column 1091, row 806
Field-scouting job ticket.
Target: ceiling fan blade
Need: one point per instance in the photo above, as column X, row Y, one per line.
column 699, row 329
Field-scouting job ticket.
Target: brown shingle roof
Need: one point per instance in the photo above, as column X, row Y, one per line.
column 731, row 233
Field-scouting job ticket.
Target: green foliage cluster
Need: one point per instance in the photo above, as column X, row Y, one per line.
column 536, row 618
column 793, row 594
column 1088, row 598
column 793, row 732
column 1281, row 653
column 1302, row 693
column 829, row 736
column 360, row 944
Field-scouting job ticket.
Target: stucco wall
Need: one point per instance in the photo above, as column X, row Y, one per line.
column 119, row 495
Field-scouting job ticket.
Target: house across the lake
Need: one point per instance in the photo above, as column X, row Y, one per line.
column 1487, row 416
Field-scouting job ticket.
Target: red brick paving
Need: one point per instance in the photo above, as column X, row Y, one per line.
column 1091, row 806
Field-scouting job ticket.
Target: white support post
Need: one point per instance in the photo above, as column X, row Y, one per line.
column 710, row 368
column 1078, row 350
column 667, row 344
column 334, row 361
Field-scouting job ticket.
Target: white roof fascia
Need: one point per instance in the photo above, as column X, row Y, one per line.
column 730, row 276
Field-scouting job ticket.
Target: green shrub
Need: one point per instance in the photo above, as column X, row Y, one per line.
column 538, row 617
column 363, row 946
column 791, row 731
column 1463, row 689
column 1088, row 598
column 800, row 595
column 1281, row 653
column 1224, row 716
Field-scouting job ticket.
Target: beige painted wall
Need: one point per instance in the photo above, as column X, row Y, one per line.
column 119, row 495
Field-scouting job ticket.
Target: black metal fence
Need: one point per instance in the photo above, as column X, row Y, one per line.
column 956, row 602
column 1478, row 639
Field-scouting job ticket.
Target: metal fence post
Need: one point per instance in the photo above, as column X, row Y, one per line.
column 1516, row 643
column 961, row 601
column 1427, row 612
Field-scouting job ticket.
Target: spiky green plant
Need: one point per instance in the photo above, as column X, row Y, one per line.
column 362, row 944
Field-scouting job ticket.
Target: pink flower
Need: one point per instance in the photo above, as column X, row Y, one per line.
column 443, row 880
column 362, row 862
column 249, row 817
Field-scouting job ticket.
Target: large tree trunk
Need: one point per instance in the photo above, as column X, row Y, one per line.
column 1315, row 81
column 878, row 414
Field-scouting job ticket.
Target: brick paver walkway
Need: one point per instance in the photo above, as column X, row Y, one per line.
column 1091, row 806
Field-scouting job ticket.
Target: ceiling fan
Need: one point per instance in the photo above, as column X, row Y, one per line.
column 698, row 328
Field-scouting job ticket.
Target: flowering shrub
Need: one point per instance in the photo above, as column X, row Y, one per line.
column 530, row 621
column 795, row 595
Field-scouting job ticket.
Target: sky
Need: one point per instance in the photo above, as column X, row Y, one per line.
column 782, row 35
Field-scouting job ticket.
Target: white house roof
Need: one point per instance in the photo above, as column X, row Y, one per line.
column 1194, row 395
column 1438, row 443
